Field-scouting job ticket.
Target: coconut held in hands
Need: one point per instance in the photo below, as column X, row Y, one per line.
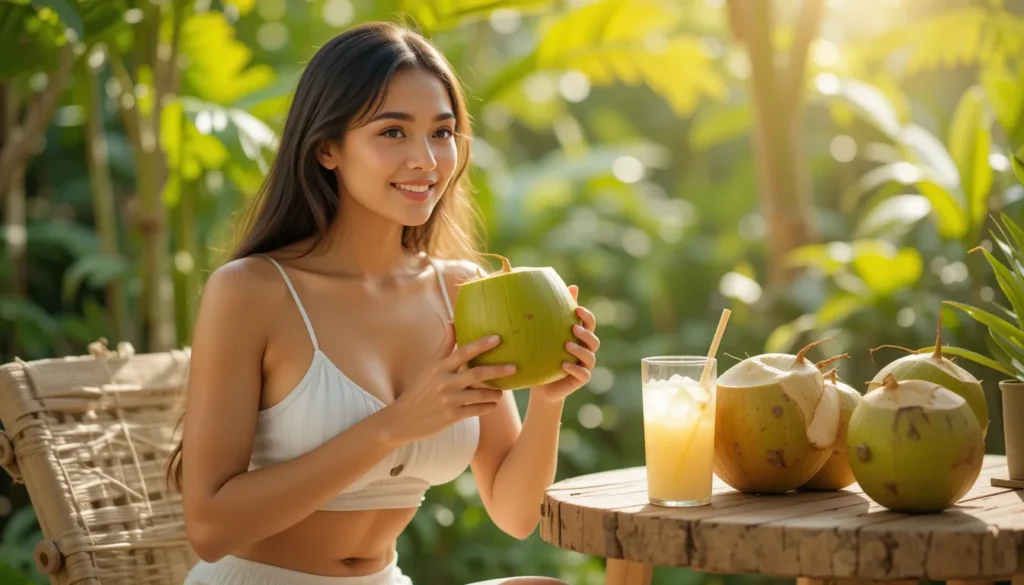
column 942, row 371
column 775, row 422
column 914, row 446
column 532, row 311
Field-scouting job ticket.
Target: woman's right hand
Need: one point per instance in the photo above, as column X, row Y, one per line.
column 446, row 391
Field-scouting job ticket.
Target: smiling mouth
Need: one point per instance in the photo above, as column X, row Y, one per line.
column 413, row 188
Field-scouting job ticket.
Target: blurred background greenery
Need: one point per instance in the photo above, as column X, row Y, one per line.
column 820, row 167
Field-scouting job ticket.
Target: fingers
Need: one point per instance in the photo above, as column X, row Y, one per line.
column 586, row 357
column 587, row 337
column 574, row 291
column 480, row 374
column 576, row 371
column 480, row 395
column 464, row 353
column 478, row 409
column 589, row 321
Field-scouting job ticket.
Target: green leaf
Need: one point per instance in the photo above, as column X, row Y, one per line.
column 96, row 271
column 950, row 218
column 993, row 322
column 35, row 38
column 967, row 354
column 894, row 216
column 949, row 39
column 631, row 43
column 433, row 16
column 15, row 309
column 230, row 76
column 784, row 336
column 1012, row 288
column 21, row 526
column 10, row 575
column 1005, row 94
column 827, row 258
column 836, row 309
column 103, row 16
column 74, row 239
column 969, row 145
column 1017, row 161
column 866, row 100
column 244, row 6
column 923, row 147
column 1013, row 351
column 189, row 151
column 1011, row 230
column 886, row 271
column 68, row 15
column 902, row 172
column 716, row 125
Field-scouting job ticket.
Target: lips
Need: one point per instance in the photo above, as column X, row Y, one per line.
column 415, row 190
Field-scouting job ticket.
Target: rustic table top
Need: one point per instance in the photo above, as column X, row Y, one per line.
column 800, row 534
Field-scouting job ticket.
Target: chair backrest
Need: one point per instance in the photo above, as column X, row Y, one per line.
column 90, row 436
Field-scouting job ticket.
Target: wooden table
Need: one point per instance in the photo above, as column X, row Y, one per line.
column 816, row 537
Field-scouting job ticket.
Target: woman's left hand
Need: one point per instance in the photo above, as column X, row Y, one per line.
column 585, row 351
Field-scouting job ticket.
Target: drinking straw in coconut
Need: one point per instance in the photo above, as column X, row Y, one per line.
column 704, row 382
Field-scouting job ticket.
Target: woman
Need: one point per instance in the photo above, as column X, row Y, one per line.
column 326, row 393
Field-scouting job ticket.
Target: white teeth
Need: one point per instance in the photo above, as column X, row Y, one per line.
column 413, row 188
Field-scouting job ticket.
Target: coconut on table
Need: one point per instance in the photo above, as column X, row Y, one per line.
column 940, row 370
column 915, row 446
column 776, row 422
column 531, row 310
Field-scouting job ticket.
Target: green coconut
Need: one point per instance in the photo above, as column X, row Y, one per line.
column 942, row 371
column 775, row 422
column 914, row 446
column 532, row 311
column 836, row 474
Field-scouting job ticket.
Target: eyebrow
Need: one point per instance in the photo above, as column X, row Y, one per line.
column 409, row 117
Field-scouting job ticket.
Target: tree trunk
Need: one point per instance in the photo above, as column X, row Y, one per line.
column 142, row 121
column 103, row 201
column 776, row 91
column 22, row 140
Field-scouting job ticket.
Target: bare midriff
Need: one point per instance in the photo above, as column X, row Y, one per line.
column 334, row 543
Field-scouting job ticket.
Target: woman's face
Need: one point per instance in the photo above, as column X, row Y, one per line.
column 399, row 163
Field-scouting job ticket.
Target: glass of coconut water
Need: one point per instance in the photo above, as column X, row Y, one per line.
column 679, row 428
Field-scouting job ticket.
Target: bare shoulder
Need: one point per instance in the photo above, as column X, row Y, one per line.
column 457, row 271
column 234, row 293
column 245, row 280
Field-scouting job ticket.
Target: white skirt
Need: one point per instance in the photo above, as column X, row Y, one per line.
column 232, row 570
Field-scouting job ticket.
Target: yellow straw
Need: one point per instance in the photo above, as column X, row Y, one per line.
column 703, row 383
column 714, row 345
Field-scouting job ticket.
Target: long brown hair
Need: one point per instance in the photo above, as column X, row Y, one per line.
column 340, row 88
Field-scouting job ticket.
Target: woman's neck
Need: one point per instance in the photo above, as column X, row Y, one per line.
column 365, row 245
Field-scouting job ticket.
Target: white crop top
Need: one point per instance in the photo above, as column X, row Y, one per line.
column 326, row 402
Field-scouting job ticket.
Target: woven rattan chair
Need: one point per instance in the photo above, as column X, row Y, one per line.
column 89, row 436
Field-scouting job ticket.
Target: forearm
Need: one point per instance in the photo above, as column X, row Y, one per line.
column 262, row 502
column 528, row 469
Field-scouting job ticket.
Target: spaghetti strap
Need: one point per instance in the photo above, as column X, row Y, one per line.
column 444, row 289
column 298, row 302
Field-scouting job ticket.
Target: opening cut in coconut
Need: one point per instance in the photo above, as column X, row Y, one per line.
column 913, row 394
column 802, row 383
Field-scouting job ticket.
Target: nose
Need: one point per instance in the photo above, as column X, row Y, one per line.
column 421, row 156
